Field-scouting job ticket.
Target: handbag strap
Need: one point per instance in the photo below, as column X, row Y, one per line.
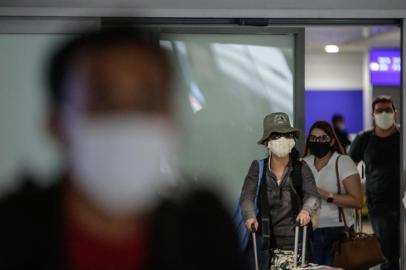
column 341, row 215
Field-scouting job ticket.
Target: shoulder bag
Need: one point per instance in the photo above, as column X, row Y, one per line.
column 357, row 250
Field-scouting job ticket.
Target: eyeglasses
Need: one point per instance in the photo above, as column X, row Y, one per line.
column 276, row 136
column 322, row 138
column 382, row 110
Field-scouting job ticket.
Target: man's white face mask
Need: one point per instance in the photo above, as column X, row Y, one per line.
column 121, row 162
column 384, row 120
column 281, row 147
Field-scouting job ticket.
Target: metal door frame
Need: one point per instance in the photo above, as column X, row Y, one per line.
column 34, row 21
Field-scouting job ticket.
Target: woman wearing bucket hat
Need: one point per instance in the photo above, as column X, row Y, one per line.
column 279, row 191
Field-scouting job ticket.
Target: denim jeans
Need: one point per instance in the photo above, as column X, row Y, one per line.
column 323, row 240
column 387, row 228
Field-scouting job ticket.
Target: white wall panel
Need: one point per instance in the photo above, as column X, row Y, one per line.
column 342, row 71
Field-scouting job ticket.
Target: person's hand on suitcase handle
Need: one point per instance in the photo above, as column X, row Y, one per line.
column 251, row 223
column 303, row 218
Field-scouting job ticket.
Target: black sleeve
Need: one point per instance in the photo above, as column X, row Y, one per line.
column 30, row 228
column 356, row 151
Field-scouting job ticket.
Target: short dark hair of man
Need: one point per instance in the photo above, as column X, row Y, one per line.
column 383, row 99
column 62, row 59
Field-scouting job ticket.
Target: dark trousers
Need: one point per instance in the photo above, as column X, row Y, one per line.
column 387, row 228
column 323, row 240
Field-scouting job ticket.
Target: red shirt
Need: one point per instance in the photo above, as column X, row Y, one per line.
column 86, row 252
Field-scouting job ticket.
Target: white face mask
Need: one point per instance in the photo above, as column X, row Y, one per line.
column 118, row 161
column 281, row 147
column 384, row 120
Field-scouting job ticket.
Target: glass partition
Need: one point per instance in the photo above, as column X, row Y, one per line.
column 25, row 146
column 226, row 84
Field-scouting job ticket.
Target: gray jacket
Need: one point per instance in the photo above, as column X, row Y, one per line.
column 280, row 200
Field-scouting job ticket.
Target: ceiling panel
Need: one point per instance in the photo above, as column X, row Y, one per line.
column 352, row 38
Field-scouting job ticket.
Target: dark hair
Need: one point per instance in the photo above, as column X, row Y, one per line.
column 326, row 127
column 337, row 118
column 383, row 99
column 60, row 61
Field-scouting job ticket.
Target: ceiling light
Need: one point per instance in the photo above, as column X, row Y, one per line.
column 331, row 49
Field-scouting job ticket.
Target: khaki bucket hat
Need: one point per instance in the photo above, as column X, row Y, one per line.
column 277, row 122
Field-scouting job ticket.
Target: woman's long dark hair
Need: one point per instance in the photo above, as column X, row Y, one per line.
column 326, row 127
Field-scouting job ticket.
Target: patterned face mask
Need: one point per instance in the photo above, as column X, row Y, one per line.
column 281, row 147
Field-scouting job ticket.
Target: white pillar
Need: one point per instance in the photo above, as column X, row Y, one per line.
column 367, row 92
column 403, row 148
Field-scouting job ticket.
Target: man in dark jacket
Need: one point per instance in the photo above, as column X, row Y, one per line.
column 111, row 111
column 380, row 150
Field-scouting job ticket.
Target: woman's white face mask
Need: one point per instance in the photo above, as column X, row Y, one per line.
column 281, row 147
column 121, row 162
column 384, row 120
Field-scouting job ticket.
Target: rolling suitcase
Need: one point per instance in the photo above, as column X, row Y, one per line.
column 292, row 260
column 285, row 260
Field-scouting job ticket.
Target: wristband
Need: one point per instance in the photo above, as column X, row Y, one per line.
column 330, row 198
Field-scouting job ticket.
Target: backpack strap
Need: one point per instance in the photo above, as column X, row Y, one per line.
column 297, row 183
column 297, row 180
column 264, row 209
column 261, row 171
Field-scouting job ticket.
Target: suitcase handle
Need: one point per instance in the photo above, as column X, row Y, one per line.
column 254, row 245
column 296, row 249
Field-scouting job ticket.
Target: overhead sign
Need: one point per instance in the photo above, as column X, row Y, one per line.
column 385, row 67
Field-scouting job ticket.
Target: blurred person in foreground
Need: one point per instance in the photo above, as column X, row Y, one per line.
column 339, row 128
column 111, row 112
column 379, row 148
